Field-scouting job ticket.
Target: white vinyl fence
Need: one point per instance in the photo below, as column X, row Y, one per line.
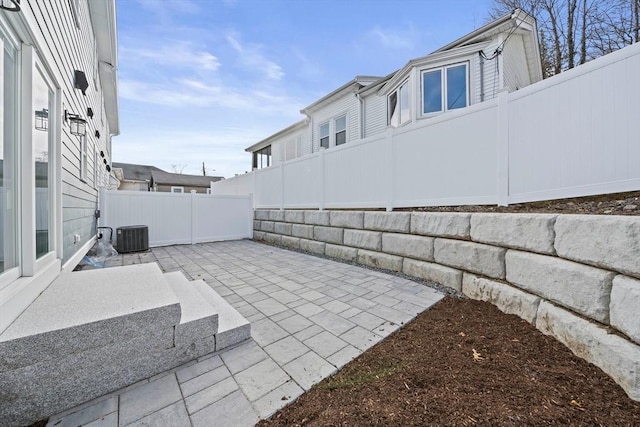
column 176, row 218
column 575, row 134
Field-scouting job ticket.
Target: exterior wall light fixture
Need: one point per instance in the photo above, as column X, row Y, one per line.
column 42, row 119
column 89, row 112
column 77, row 124
column 10, row 5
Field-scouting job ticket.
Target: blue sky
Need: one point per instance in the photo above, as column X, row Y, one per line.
column 201, row 80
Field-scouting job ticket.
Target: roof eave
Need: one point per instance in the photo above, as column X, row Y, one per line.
column 263, row 143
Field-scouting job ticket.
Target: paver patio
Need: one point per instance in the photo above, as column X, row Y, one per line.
column 309, row 317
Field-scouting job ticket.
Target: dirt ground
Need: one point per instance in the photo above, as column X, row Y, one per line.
column 608, row 204
column 464, row 363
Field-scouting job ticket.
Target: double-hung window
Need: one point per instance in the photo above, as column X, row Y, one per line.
column 398, row 106
column 324, row 135
column 445, row 88
column 341, row 130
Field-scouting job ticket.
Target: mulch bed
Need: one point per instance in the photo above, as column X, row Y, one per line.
column 464, row 363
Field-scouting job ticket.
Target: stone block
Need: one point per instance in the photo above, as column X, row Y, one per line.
column 473, row 257
column 433, row 272
column 276, row 215
column 316, row 217
column 532, row 232
column 441, row 224
column 625, row 306
column 611, row 242
column 417, row 247
column 312, row 246
column 300, row 230
column 394, row 222
column 256, row 224
column 294, row 216
column 267, row 226
column 282, row 228
column 291, row 242
column 328, row 234
column 379, row 260
column 275, row 239
column 101, row 307
column 576, row 286
column 261, row 214
column 508, row 299
column 346, row 219
column 617, row 357
column 341, row 252
column 363, row 239
column 258, row 235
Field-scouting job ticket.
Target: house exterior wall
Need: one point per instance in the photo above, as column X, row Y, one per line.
column 375, row 114
column 187, row 189
column 346, row 104
column 73, row 46
column 51, row 39
column 516, row 74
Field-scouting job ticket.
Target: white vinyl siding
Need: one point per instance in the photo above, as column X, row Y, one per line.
column 375, row 113
column 516, row 73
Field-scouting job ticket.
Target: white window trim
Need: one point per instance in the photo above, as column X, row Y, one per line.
column 443, row 87
column 84, row 160
column 328, row 136
column 332, row 129
column 177, row 188
column 397, row 90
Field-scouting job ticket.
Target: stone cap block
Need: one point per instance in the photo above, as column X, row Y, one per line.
column 346, row 219
column 394, row 222
column 441, row 224
column 316, row 217
column 276, row 215
column 532, row 232
column 294, row 216
column 611, row 242
column 261, row 214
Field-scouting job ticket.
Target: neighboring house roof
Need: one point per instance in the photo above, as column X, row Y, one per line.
column 160, row 177
column 133, row 172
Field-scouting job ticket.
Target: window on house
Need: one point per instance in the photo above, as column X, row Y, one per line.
column 445, row 89
column 398, row 108
column 83, row 158
column 42, row 97
column 324, row 135
column 341, row 130
column 177, row 189
column 262, row 158
column 8, row 161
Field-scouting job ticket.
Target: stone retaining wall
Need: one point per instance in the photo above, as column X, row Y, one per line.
column 576, row 277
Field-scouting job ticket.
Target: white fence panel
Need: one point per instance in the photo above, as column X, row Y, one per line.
column 175, row 218
column 575, row 134
column 578, row 133
column 448, row 160
column 240, row 184
column 269, row 187
column 355, row 175
column 302, row 183
column 217, row 218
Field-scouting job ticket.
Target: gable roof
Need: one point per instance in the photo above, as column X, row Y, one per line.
column 160, row 177
column 133, row 172
column 355, row 85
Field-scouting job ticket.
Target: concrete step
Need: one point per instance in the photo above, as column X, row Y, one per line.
column 233, row 328
column 198, row 318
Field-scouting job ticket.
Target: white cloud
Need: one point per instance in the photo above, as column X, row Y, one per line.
column 179, row 54
column 390, row 38
column 251, row 56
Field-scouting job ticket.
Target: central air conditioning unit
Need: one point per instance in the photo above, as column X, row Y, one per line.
column 132, row 238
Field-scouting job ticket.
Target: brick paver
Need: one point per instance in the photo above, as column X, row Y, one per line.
column 309, row 317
